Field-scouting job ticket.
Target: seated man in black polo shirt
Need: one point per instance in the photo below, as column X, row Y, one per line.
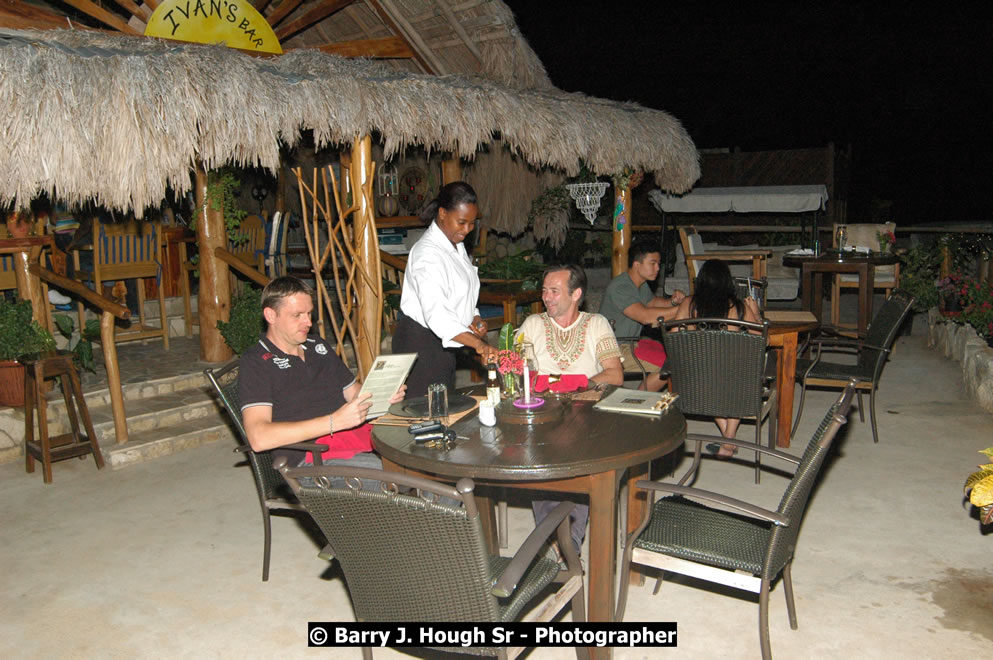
column 295, row 388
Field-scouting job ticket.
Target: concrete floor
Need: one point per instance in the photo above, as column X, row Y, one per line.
column 163, row 559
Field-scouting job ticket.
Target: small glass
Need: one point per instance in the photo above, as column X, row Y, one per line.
column 438, row 402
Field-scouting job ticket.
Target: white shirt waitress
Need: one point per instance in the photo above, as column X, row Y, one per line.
column 440, row 292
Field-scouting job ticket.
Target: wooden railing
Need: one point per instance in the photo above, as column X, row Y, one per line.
column 109, row 311
column 240, row 266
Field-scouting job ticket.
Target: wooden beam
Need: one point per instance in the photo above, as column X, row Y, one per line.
column 459, row 30
column 315, row 15
column 22, row 16
column 214, row 300
column 142, row 13
column 622, row 232
column 104, row 16
column 386, row 47
column 152, row 4
column 260, row 5
column 282, row 11
column 422, row 55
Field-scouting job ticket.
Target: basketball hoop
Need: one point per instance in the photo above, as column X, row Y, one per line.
column 587, row 197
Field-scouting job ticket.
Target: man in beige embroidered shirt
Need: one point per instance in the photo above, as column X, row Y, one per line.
column 568, row 341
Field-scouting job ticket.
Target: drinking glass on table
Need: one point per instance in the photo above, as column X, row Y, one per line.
column 438, row 402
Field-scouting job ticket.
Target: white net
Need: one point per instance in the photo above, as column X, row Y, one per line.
column 587, row 196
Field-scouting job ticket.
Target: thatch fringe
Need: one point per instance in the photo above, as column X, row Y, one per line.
column 510, row 185
column 119, row 119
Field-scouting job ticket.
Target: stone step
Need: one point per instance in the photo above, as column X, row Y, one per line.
column 166, row 440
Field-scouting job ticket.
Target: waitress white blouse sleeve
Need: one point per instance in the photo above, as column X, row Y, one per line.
column 440, row 286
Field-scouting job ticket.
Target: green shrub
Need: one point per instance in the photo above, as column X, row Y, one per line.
column 20, row 334
column 246, row 324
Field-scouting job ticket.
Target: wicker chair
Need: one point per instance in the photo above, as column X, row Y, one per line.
column 721, row 373
column 272, row 490
column 871, row 353
column 409, row 557
column 746, row 551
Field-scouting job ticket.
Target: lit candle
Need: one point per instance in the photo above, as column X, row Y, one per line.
column 527, row 384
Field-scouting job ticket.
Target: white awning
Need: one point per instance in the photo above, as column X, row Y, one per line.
column 751, row 199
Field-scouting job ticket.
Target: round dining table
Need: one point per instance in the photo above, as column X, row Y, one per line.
column 587, row 451
column 812, row 269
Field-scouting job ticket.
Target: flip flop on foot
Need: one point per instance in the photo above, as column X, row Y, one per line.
column 726, row 452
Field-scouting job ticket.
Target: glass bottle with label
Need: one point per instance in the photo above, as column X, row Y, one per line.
column 492, row 385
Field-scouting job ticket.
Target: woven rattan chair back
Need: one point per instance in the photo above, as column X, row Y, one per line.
column 882, row 331
column 404, row 558
column 716, row 371
column 793, row 504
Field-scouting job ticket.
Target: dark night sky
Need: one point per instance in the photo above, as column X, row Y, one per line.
column 908, row 86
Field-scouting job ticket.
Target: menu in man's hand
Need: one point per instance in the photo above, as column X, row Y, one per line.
column 384, row 379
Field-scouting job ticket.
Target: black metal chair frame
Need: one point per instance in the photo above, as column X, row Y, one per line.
column 746, row 548
column 409, row 556
column 872, row 352
column 273, row 495
column 734, row 381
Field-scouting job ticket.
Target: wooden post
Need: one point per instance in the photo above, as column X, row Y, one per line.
column 451, row 170
column 28, row 286
column 113, row 377
column 214, row 300
column 369, row 315
column 622, row 232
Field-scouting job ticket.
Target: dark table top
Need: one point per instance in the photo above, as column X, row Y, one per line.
column 838, row 257
column 584, row 442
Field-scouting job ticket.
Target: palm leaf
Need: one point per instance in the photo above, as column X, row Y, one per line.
column 507, row 337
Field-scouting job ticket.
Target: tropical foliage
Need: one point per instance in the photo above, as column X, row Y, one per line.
column 981, row 485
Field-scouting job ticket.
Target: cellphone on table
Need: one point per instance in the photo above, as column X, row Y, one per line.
column 424, row 427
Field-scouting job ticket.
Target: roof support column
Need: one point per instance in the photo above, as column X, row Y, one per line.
column 214, row 299
column 622, row 230
column 369, row 313
column 451, row 170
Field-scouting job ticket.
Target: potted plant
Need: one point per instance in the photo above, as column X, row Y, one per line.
column 919, row 270
column 977, row 309
column 20, row 334
column 981, row 485
column 951, row 290
column 245, row 322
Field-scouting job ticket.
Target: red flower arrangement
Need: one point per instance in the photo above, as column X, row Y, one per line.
column 510, row 362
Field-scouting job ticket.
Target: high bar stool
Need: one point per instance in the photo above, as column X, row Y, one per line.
column 38, row 368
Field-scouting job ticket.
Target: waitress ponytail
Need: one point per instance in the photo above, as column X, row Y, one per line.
column 449, row 198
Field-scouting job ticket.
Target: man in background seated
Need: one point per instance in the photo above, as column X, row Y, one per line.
column 568, row 341
column 629, row 305
column 295, row 388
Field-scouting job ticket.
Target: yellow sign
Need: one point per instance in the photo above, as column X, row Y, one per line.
column 235, row 23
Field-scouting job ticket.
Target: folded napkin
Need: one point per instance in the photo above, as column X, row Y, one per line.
column 802, row 252
column 651, row 351
column 345, row 444
column 566, row 383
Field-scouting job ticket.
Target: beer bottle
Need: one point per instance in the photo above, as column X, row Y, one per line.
column 492, row 385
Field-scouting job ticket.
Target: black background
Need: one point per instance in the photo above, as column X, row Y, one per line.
column 906, row 85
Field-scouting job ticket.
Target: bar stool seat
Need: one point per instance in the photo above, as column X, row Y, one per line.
column 47, row 449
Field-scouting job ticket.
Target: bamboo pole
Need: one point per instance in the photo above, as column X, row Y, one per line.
column 622, row 232
column 214, row 299
column 368, row 289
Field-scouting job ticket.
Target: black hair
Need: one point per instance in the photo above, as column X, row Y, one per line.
column 577, row 277
column 283, row 287
column 451, row 196
column 714, row 291
column 640, row 248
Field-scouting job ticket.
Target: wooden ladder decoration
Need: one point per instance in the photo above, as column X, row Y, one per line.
column 346, row 265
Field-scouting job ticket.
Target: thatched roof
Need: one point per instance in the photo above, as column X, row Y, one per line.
column 121, row 118
column 476, row 37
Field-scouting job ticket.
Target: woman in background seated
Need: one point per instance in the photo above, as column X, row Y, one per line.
column 716, row 296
